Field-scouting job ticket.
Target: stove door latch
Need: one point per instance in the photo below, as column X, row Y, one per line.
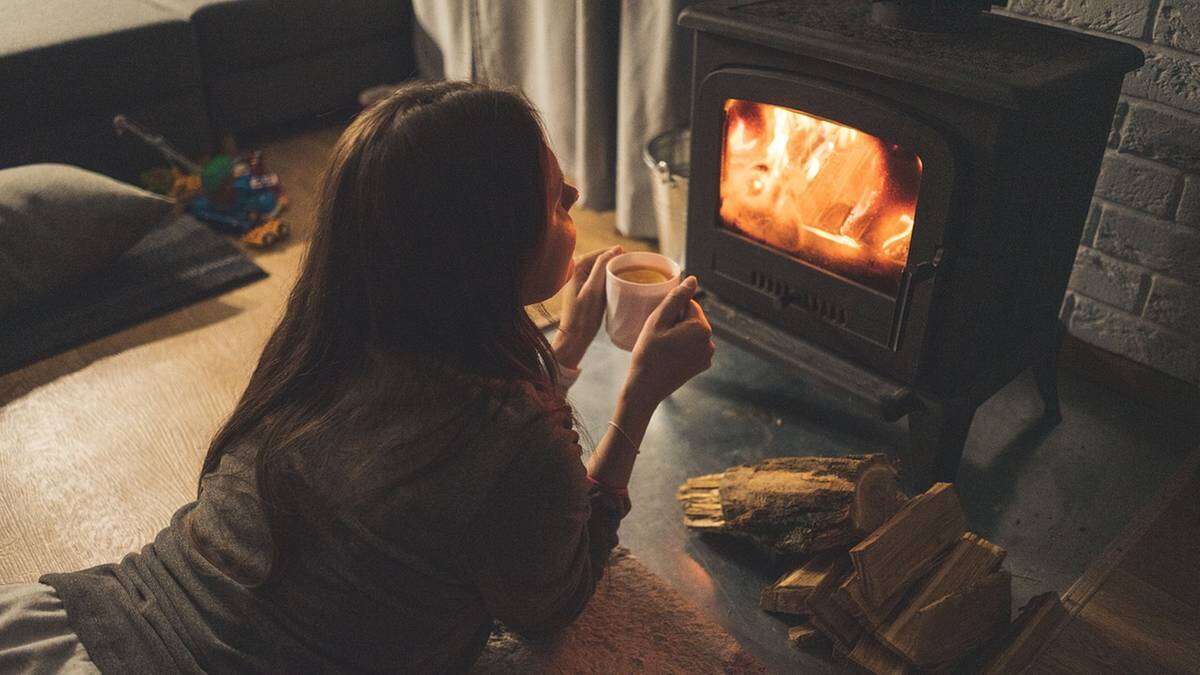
column 914, row 276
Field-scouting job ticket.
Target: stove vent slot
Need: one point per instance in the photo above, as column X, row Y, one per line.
column 785, row 296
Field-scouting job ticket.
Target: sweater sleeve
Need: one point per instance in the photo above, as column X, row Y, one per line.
column 541, row 542
column 567, row 376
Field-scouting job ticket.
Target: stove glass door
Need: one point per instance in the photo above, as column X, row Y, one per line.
column 825, row 193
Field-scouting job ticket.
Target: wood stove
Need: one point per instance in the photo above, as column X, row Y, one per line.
column 894, row 211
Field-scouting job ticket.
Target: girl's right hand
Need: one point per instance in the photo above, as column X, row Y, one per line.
column 674, row 346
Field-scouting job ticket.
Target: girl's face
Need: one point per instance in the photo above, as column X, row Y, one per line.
column 553, row 263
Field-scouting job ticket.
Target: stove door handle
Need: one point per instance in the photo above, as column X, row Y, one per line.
column 913, row 276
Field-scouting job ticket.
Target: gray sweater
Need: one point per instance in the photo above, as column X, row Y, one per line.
column 449, row 530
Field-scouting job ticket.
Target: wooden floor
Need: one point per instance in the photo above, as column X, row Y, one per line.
column 101, row 444
column 1137, row 608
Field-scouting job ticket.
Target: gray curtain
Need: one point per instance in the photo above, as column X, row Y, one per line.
column 607, row 76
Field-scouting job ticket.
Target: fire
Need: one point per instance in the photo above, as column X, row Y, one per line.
column 824, row 192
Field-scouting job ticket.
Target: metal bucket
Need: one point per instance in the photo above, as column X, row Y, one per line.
column 668, row 156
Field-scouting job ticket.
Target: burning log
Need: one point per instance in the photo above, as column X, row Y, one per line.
column 825, row 192
column 795, row 505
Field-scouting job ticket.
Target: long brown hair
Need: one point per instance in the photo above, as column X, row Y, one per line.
column 431, row 207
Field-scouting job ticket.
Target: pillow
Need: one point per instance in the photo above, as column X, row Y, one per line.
column 59, row 223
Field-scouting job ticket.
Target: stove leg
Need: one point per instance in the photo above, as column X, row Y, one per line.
column 1045, row 373
column 937, row 434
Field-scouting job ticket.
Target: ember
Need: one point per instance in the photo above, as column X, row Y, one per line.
column 826, row 193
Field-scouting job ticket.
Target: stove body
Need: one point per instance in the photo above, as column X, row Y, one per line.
column 894, row 212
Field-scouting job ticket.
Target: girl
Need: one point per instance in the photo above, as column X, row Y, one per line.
column 401, row 469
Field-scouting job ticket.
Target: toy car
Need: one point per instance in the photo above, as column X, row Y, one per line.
column 236, row 196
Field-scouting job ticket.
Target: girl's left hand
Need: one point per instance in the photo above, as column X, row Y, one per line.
column 583, row 306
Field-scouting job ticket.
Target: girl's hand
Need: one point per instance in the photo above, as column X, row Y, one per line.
column 583, row 306
column 674, row 346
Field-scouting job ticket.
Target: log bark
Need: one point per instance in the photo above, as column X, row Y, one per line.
column 907, row 546
column 1038, row 620
column 789, row 594
column 796, row 505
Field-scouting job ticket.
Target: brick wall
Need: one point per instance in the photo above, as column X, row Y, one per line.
column 1136, row 285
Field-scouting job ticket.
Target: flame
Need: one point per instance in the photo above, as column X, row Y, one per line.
column 905, row 220
column 838, row 238
column 737, row 139
column 824, row 192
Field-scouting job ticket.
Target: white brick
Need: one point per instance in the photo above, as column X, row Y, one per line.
column 1136, row 338
column 1173, row 79
column 1188, row 212
column 1092, row 222
column 1108, row 280
column 1167, row 137
column 1143, row 185
column 1178, row 24
column 1114, row 132
column 1159, row 245
column 1175, row 304
column 1122, row 17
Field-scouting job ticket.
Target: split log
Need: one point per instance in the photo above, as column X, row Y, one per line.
column 789, row 594
column 907, row 546
column 871, row 655
column 842, row 629
column 853, row 599
column 806, row 636
column 950, row 627
column 796, row 505
column 841, row 597
column 1038, row 620
column 972, row 559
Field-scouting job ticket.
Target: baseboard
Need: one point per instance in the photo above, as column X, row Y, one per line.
column 1134, row 380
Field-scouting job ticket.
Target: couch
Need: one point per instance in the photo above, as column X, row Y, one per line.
column 191, row 70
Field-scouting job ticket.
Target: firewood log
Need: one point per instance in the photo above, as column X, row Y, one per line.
column 971, row 559
column 908, row 545
column 871, row 655
column 853, row 598
column 806, row 636
column 789, row 594
column 947, row 629
column 1035, row 625
column 842, row 629
column 795, row 505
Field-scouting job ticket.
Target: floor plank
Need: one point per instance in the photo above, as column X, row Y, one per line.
column 1137, row 607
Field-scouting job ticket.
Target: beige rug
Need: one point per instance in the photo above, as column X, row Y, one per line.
column 634, row 623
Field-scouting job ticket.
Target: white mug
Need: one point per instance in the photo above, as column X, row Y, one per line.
column 629, row 303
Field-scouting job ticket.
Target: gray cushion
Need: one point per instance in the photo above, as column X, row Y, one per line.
column 59, row 223
column 66, row 58
column 238, row 35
